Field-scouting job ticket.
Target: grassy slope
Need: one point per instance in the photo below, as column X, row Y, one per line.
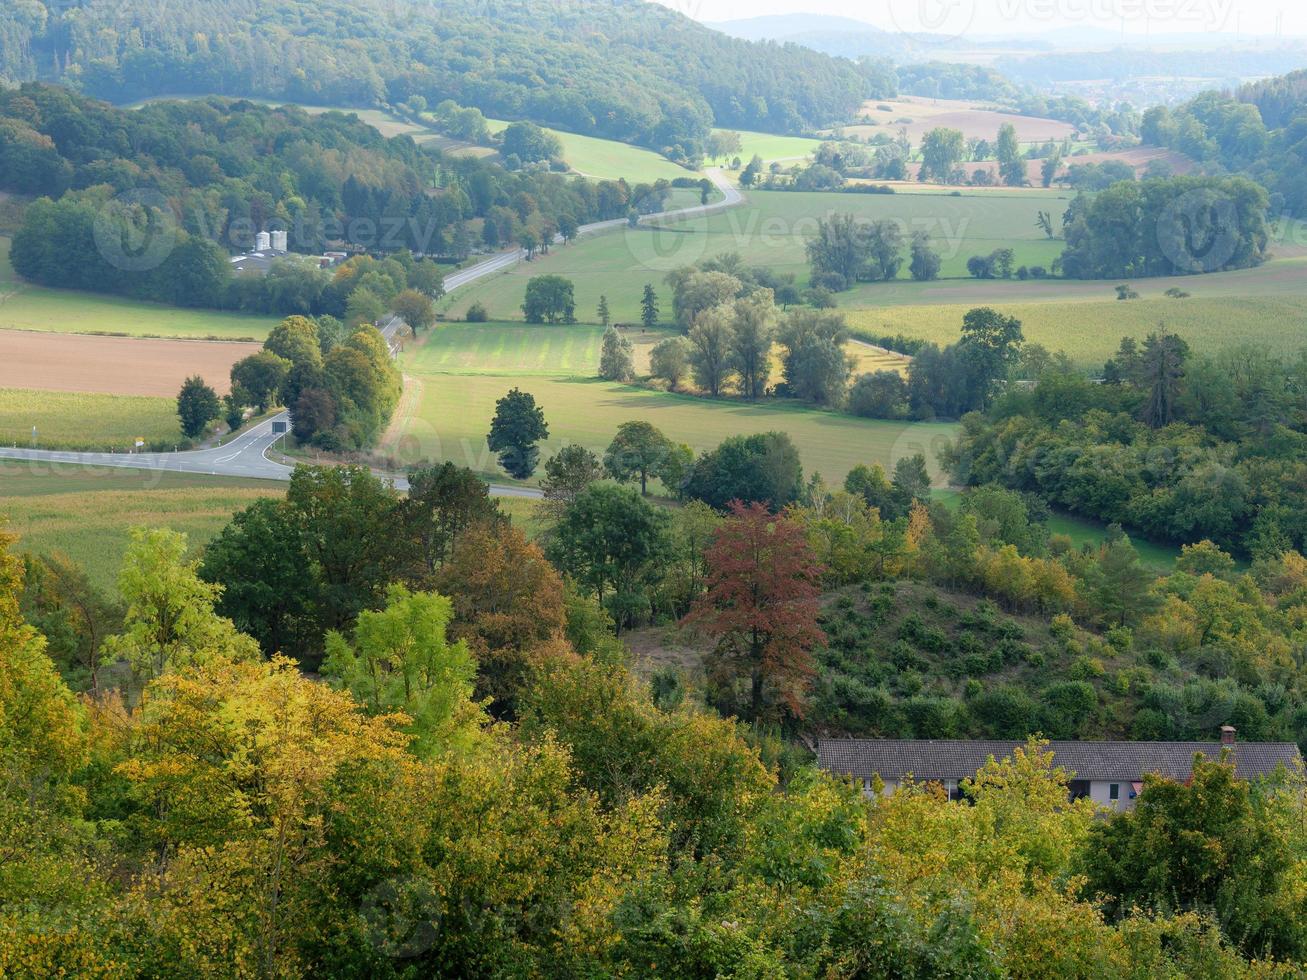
column 87, row 512
column 771, row 147
column 610, row 159
column 452, row 408
column 74, row 420
column 27, row 307
column 770, row 230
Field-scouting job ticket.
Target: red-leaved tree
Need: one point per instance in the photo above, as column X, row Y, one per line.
column 761, row 607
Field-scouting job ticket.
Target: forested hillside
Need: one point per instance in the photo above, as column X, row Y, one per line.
column 1261, row 130
column 210, row 173
column 624, row 69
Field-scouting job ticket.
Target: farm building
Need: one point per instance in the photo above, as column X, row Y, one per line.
column 1109, row 773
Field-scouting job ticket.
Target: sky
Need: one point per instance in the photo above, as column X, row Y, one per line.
column 963, row 17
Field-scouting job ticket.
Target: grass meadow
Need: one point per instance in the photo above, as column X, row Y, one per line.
column 77, row 420
column 88, row 512
column 455, row 375
column 774, row 148
column 771, row 230
column 1089, row 331
column 609, row 159
column 27, row 307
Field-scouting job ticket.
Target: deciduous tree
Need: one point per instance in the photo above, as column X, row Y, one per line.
column 760, row 609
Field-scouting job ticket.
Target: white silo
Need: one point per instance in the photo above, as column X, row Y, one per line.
column 279, row 241
column 262, row 242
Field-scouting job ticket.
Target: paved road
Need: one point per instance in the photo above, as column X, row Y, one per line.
column 247, row 454
column 503, row 261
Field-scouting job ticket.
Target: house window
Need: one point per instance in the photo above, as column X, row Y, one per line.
column 1114, row 791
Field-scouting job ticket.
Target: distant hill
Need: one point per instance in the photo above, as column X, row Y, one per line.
column 623, row 69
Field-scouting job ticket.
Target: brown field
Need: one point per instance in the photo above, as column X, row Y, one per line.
column 1139, row 158
column 113, row 365
column 928, row 114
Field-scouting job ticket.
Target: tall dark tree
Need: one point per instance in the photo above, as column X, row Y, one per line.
column 519, row 424
column 649, row 306
column 1161, row 375
column 197, row 406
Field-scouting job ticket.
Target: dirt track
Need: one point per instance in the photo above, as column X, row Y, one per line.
column 113, row 365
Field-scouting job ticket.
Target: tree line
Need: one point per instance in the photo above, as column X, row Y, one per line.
column 193, row 180
column 475, row 781
column 639, row 74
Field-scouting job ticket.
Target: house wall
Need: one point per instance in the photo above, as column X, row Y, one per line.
column 1100, row 791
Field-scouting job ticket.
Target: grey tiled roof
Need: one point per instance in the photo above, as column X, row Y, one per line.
column 1123, row 761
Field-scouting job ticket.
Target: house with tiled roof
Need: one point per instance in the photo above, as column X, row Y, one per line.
column 1109, row 773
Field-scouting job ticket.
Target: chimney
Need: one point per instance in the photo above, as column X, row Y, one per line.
column 1227, row 734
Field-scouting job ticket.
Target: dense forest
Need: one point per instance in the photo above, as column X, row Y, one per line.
column 1260, row 131
column 622, row 69
column 474, row 782
column 199, row 178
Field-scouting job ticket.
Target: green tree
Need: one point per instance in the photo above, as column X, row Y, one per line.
column 602, row 310
column 260, row 377
column 268, row 583
column 763, row 467
column 710, row 349
column 752, row 328
column 1011, row 168
column 817, row 368
column 170, row 622
column 401, row 661
column 615, row 544
column 364, row 306
column 549, row 300
column 649, row 306
column 519, row 423
column 638, row 450
column 1208, row 846
column 616, row 357
column 567, row 473
column 990, row 346
column 415, row 309
column 296, row 339
column 670, row 360
column 347, row 519
column 1161, row 375
column 925, row 263
column 197, row 406
column 443, row 501
column 941, row 152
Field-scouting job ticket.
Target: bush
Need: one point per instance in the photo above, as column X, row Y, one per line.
column 477, row 313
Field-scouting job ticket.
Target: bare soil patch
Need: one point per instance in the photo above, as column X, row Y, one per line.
column 114, row 365
column 924, row 114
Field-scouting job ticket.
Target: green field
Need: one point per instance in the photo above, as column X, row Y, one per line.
column 76, row 420
column 1089, row 332
column 609, row 159
column 28, row 307
column 455, row 376
column 87, row 512
column 771, row 229
column 771, row 147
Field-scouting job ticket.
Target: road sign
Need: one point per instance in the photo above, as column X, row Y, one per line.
column 278, row 428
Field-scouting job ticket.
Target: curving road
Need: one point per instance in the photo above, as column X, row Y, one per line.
column 507, row 260
column 247, row 455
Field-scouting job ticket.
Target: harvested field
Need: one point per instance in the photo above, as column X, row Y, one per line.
column 924, row 114
column 113, row 365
